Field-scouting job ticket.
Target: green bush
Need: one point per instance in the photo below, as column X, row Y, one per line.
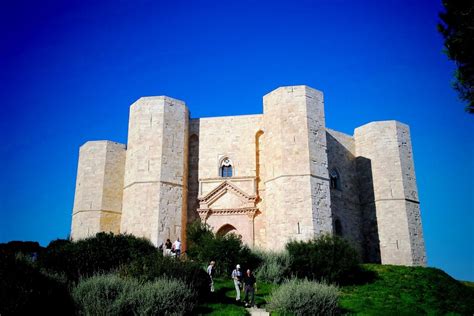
column 162, row 297
column 303, row 297
column 102, row 253
column 227, row 250
column 24, row 290
column 102, row 295
column 112, row 295
column 155, row 266
column 329, row 258
column 274, row 267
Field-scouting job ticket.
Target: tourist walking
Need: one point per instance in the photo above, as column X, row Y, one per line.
column 237, row 277
column 211, row 270
column 250, row 286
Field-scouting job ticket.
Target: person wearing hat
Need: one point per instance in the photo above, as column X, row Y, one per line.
column 237, row 277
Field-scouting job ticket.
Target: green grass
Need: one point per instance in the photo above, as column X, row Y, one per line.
column 222, row 301
column 393, row 290
column 398, row 290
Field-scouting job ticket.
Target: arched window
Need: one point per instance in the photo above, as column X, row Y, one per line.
column 338, row 227
column 226, row 168
column 335, row 179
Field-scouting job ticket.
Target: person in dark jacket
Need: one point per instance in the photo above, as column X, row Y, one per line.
column 250, row 286
column 168, row 246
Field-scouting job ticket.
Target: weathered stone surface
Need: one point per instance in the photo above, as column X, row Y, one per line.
column 155, row 191
column 345, row 203
column 393, row 197
column 296, row 185
column 99, row 188
column 213, row 140
column 292, row 178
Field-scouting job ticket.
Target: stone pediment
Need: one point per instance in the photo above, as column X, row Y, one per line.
column 227, row 195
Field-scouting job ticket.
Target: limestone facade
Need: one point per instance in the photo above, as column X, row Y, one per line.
column 270, row 178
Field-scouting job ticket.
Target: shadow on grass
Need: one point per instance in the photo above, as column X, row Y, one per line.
column 360, row 276
column 221, row 302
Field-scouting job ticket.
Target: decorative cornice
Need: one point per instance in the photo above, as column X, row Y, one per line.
column 249, row 178
column 246, row 211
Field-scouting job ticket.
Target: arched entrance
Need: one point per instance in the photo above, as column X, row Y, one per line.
column 227, row 229
column 226, row 204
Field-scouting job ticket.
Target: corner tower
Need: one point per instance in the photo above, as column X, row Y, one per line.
column 155, row 185
column 390, row 198
column 99, row 185
column 296, row 185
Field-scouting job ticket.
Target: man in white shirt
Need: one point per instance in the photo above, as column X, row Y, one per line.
column 210, row 271
column 177, row 248
column 237, row 277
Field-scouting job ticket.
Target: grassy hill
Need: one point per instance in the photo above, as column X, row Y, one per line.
column 29, row 284
column 395, row 290
column 398, row 290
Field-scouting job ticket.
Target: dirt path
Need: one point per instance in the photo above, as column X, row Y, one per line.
column 254, row 311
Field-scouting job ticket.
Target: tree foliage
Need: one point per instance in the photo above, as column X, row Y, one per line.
column 24, row 290
column 99, row 254
column 457, row 27
column 326, row 258
column 227, row 250
column 155, row 266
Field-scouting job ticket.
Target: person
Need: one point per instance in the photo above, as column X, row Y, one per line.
column 177, row 248
column 168, row 246
column 250, row 286
column 237, row 277
column 211, row 269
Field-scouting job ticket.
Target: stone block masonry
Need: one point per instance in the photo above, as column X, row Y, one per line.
column 155, row 186
column 99, row 189
column 270, row 178
column 297, row 197
column 394, row 198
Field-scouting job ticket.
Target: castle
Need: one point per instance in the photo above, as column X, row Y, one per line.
column 269, row 178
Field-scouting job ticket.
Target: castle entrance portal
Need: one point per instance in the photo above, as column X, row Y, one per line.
column 228, row 209
column 227, row 229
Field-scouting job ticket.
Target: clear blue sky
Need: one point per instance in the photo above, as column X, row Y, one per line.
column 70, row 69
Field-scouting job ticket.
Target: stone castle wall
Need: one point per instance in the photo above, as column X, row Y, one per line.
column 345, row 202
column 394, row 197
column 211, row 140
column 282, row 186
column 296, row 185
column 99, row 188
column 156, row 177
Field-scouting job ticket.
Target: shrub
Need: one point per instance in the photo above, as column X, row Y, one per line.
column 227, row 250
column 99, row 254
column 24, row 290
column 112, row 295
column 155, row 266
column 274, row 267
column 102, row 295
column 303, row 297
column 328, row 258
column 162, row 297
